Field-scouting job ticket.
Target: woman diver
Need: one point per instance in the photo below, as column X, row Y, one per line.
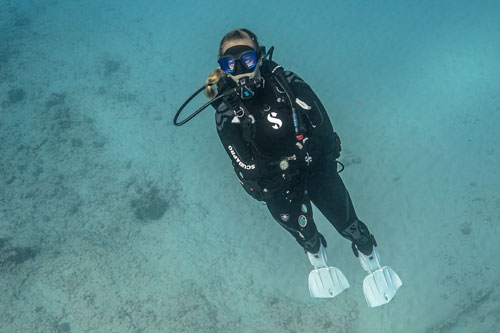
column 284, row 151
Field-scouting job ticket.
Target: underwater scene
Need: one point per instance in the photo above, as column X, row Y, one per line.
column 337, row 168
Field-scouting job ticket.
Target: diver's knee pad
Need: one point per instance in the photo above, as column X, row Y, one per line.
column 312, row 244
column 358, row 233
column 365, row 248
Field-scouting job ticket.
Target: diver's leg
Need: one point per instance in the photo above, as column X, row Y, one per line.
column 296, row 217
column 329, row 194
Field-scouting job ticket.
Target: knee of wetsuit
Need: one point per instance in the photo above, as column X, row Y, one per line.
column 365, row 248
column 312, row 244
column 358, row 233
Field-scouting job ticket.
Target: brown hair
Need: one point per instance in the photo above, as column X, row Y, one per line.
column 218, row 73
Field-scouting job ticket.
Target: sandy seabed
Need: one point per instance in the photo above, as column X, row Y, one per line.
column 114, row 220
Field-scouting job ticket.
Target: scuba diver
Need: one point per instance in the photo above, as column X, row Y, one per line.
column 284, row 150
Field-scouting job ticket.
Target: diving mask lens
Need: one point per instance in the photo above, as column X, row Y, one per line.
column 248, row 59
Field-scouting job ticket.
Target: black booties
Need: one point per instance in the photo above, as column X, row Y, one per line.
column 360, row 237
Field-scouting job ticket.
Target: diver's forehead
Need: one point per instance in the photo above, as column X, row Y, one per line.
column 236, row 42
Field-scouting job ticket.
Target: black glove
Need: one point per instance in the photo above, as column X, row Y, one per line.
column 263, row 189
column 252, row 187
column 325, row 148
column 275, row 185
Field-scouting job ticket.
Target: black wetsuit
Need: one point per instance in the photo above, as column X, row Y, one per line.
column 260, row 135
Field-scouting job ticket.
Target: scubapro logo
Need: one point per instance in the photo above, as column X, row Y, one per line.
column 237, row 159
column 272, row 119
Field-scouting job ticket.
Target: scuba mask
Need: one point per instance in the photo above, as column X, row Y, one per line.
column 239, row 59
column 240, row 62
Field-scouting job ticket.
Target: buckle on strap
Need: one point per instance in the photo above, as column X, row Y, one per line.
column 239, row 113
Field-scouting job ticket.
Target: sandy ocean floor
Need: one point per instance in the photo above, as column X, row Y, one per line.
column 114, row 220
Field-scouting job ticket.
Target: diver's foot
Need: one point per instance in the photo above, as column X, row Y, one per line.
column 382, row 282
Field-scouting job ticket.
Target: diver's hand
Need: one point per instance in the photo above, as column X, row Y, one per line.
column 325, row 148
column 274, row 185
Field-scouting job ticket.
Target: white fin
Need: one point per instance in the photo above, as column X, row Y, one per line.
column 382, row 282
column 325, row 281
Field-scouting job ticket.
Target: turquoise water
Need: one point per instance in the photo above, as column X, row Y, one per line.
column 114, row 220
